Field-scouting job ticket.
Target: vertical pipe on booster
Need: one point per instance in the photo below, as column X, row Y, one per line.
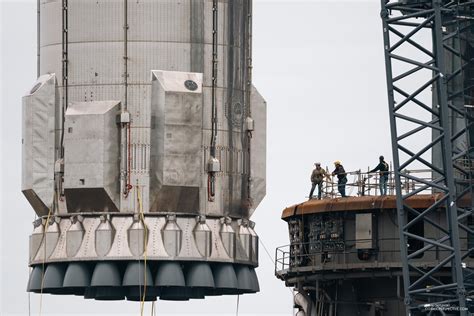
column 249, row 120
column 124, row 118
column 215, row 39
column 64, row 46
column 213, row 164
column 38, row 39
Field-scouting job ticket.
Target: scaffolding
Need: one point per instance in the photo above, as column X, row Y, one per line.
column 368, row 183
column 444, row 65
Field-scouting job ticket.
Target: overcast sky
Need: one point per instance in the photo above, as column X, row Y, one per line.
column 320, row 66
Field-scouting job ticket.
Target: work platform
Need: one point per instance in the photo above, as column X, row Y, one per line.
column 358, row 203
column 344, row 252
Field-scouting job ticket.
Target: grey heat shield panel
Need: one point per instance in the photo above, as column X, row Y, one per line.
column 39, row 143
column 91, row 159
column 176, row 138
column 258, row 154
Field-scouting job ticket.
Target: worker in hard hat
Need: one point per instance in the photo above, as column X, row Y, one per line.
column 382, row 168
column 317, row 179
column 341, row 177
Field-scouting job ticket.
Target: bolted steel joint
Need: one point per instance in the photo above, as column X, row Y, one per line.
column 38, row 222
column 243, row 222
column 171, row 218
column 201, row 219
column 226, row 220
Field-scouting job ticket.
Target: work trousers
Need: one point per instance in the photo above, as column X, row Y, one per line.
column 320, row 189
column 383, row 184
column 341, row 186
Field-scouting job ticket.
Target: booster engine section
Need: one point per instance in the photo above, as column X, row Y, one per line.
column 117, row 142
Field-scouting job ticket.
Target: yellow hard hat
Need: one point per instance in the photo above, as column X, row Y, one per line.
column 337, row 162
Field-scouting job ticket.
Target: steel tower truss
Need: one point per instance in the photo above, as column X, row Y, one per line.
column 445, row 64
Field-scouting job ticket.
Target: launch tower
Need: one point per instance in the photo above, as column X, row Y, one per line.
column 410, row 252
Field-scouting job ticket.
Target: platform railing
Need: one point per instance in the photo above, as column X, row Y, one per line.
column 361, row 183
column 330, row 258
column 365, row 183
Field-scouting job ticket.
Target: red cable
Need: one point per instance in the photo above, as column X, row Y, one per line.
column 129, row 186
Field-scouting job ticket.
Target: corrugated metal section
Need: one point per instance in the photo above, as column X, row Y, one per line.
column 139, row 108
column 160, row 21
column 229, row 180
column 50, row 23
column 105, row 68
column 221, row 97
column 51, row 60
column 146, row 56
column 95, row 21
column 91, row 92
column 223, row 18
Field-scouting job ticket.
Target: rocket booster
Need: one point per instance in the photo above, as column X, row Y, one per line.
column 144, row 150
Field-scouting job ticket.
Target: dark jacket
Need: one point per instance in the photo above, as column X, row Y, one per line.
column 382, row 167
column 340, row 172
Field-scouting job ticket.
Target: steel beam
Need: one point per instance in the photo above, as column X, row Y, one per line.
column 449, row 29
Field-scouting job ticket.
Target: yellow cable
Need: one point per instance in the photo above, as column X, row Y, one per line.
column 142, row 217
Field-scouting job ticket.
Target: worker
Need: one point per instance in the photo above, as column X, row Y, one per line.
column 317, row 180
column 382, row 168
column 341, row 177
